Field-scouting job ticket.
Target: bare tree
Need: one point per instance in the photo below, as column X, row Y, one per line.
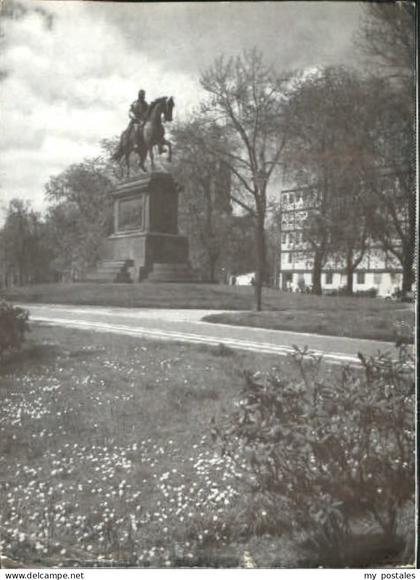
column 246, row 97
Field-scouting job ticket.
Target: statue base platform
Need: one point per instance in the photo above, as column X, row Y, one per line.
column 145, row 244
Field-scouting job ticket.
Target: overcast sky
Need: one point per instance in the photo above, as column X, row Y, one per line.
column 70, row 69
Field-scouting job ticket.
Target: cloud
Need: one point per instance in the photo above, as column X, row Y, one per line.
column 73, row 68
column 67, row 88
column 24, row 173
column 188, row 35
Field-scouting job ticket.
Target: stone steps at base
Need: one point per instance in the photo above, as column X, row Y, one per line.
column 110, row 271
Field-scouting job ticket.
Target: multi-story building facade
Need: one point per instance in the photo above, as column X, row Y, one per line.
column 377, row 270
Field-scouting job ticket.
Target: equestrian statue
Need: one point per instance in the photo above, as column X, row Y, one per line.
column 145, row 130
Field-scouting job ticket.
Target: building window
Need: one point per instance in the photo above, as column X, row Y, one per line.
column 377, row 279
column 290, row 259
column 284, row 238
column 360, row 279
column 329, row 278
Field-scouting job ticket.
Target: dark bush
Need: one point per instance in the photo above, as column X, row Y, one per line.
column 13, row 326
column 330, row 455
column 337, row 292
column 403, row 333
column 370, row 293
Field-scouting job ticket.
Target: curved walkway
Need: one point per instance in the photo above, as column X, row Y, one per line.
column 187, row 326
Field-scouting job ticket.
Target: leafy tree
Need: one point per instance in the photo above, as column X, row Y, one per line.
column 26, row 253
column 81, row 214
column 349, row 230
column 246, row 98
column 205, row 189
column 389, row 174
column 328, row 144
column 387, row 40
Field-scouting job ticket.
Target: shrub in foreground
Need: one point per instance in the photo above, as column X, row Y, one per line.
column 13, row 326
column 331, row 456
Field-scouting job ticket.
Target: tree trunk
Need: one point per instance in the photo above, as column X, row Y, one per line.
column 316, row 274
column 21, row 274
column 408, row 273
column 212, row 269
column 349, row 273
column 409, row 243
column 260, row 253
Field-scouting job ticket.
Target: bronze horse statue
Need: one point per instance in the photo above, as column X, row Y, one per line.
column 142, row 139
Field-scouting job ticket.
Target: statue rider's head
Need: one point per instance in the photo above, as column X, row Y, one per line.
column 142, row 94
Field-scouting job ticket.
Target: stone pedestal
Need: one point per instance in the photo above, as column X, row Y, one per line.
column 145, row 244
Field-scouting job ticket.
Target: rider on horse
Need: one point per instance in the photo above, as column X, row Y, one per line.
column 138, row 112
column 145, row 130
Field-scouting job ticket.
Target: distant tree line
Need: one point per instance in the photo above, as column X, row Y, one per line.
column 344, row 136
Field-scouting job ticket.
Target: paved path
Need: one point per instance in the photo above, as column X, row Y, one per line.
column 187, row 326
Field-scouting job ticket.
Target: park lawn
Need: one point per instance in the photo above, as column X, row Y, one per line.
column 106, row 453
column 364, row 322
column 145, row 295
column 355, row 317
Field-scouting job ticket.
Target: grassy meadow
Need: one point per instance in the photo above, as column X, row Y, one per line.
column 106, row 454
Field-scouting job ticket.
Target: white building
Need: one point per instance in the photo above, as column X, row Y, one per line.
column 378, row 270
column 245, row 279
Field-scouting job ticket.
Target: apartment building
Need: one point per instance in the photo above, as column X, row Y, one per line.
column 378, row 270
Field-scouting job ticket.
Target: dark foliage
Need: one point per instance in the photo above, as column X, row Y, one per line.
column 330, row 457
column 13, row 326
